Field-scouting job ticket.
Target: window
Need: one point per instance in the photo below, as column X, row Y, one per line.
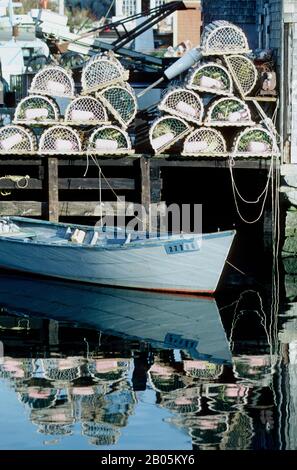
column 129, row 7
column 157, row 3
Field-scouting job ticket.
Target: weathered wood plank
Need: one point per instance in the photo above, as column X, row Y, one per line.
column 93, row 183
column 145, row 188
column 93, row 208
column 211, row 162
column 33, row 184
column 21, row 208
column 67, row 208
column 20, row 161
column 53, row 189
column 106, row 161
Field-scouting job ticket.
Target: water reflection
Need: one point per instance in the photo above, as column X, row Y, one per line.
column 83, row 360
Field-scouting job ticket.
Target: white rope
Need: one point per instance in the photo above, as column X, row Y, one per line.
column 101, row 174
column 15, row 179
column 236, row 193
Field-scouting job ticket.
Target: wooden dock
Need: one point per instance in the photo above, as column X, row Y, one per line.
column 57, row 188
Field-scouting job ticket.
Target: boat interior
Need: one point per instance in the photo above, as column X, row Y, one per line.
column 24, row 229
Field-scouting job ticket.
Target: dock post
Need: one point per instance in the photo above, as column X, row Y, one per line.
column 53, row 189
column 146, row 188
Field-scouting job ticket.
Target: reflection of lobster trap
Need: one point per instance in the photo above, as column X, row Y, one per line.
column 109, row 140
column 17, row 140
column 203, row 370
column 36, row 110
column 60, row 140
column 54, row 372
column 255, row 141
column 102, row 71
column 166, row 131
column 205, row 141
column 222, row 37
column 120, row 102
column 229, row 112
column 183, row 103
column 183, row 401
column 211, row 78
column 244, row 73
column 53, row 81
column 55, row 429
column 101, row 433
column 85, row 110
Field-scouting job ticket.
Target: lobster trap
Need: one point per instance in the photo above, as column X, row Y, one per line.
column 183, row 103
column 205, row 141
column 102, row 71
column 85, row 110
column 166, row 131
column 60, row 140
column 229, row 112
column 203, row 370
column 244, row 73
column 109, row 140
column 222, row 37
column 17, row 140
column 211, row 78
column 53, row 81
column 255, row 142
column 36, row 109
column 120, row 102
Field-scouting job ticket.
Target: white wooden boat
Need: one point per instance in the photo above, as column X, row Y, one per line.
column 179, row 263
column 166, row 321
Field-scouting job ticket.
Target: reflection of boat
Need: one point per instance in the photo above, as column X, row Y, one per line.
column 167, row 321
column 178, row 263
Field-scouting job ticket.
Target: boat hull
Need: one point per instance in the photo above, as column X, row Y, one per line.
column 147, row 266
column 165, row 321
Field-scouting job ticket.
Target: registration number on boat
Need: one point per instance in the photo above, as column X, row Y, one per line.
column 173, row 248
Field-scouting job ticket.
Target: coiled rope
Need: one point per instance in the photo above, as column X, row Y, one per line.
column 17, row 181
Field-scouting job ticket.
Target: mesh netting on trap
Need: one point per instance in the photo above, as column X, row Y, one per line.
column 205, row 141
column 17, row 140
column 121, row 103
column 244, row 73
column 63, row 375
column 166, row 131
column 183, row 103
column 255, row 141
column 55, row 429
column 203, row 370
column 222, row 37
column 85, row 110
column 53, row 81
column 60, row 140
column 211, row 78
column 101, row 433
column 229, row 112
column 102, row 71
column 36, row 109
column 107, row 140
column 182, row 404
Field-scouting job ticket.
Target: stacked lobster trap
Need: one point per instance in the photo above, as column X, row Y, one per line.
column 52, row 120
column 209, row 114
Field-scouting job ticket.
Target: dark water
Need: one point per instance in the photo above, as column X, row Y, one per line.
column 95, row 368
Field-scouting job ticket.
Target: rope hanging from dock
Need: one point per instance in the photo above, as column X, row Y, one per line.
column 237, row 195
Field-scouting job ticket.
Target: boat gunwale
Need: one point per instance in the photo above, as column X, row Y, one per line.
column 137, row 244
